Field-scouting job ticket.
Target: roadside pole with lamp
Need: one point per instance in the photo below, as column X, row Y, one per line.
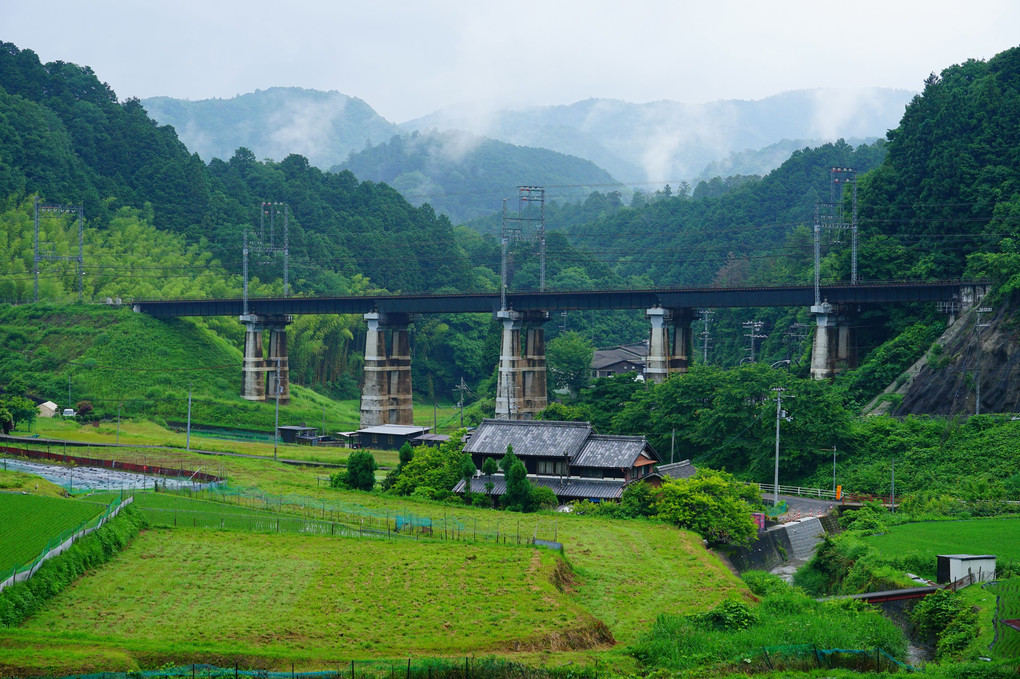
column 780, row 415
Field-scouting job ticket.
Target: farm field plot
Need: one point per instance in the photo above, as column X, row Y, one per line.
column 972, row 536
column 266, row 599
column 30, row 521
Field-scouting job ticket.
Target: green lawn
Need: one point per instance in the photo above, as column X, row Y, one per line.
column 31, row 521
column 927, row 540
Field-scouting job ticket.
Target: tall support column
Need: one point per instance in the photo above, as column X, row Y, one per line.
column 657, row 363
column 258, row 377
column 386, row 394
column 680, row 349
column 835, row 345
column 253, row 366
column 508, row 383
column 534, row 388
column 277, row 363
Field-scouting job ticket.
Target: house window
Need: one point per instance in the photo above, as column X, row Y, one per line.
column 552, row 467
column 591, row 473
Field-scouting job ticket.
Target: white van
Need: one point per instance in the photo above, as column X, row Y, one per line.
column 68, row 412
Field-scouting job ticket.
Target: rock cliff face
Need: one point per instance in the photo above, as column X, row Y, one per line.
column 944, row 380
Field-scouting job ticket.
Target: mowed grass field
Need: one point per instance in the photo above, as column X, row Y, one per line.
column 931, row 538
column 29, row 522
column 267, row 600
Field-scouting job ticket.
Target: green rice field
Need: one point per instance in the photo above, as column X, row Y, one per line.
column 927, row 540
column 31, row 521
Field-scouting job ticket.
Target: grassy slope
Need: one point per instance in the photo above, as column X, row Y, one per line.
column 20, row 482
column 148, row 365
column 31, row 521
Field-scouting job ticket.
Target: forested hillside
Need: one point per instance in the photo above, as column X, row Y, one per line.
column 68, row 139
column 466, row 176
column 324, row 127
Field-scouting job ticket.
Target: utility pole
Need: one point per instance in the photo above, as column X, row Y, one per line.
column 706, row 317
column 513, row 230
column 119, row 404
column 188, row 437
column 276, row 426
column 267, row 242
column 463, row 389
column 833, row 468
column 977, row 332
column 50, row 254
column 831, row 215
column 892, row 496
column 780, row 416
column 753, row 333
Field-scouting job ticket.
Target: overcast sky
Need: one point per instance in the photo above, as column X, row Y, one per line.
column 407, row 58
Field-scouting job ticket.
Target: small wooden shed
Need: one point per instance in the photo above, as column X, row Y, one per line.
column 953, row 567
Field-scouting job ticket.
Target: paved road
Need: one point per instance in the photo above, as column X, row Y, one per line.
column 804, row 505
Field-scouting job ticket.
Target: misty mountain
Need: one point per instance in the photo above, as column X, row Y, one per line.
column 670, row 141
column 764, row 160
column 466, row 176
column 324, row 127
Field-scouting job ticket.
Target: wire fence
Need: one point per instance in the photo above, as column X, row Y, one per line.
column 300, row 514
column 61, row 542
column 417, row 668
column 1006, row 620
column 805, row 656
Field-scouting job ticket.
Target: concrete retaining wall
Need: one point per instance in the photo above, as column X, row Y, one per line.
column 775, row 546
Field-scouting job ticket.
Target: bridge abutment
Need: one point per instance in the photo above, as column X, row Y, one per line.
column 386, row 394
column 258, row 373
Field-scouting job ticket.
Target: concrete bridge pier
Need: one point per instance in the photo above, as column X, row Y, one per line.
column 680, row 349
column 255, row 366
column 534, row 385
column 386, row 394
column 657, row 363
column 508, row 384
column 835, row 345
column 666, row 356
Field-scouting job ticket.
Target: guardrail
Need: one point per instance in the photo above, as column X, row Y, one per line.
column 800, row 491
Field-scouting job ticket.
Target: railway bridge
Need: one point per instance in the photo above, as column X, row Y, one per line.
column 386, row 394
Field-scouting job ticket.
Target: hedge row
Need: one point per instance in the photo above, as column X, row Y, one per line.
column 21, row 600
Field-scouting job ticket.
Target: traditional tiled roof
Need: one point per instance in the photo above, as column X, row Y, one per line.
column 634, row 353
column 612, row 451
column 677, row 470
column 528, row 437
column 571, row 488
